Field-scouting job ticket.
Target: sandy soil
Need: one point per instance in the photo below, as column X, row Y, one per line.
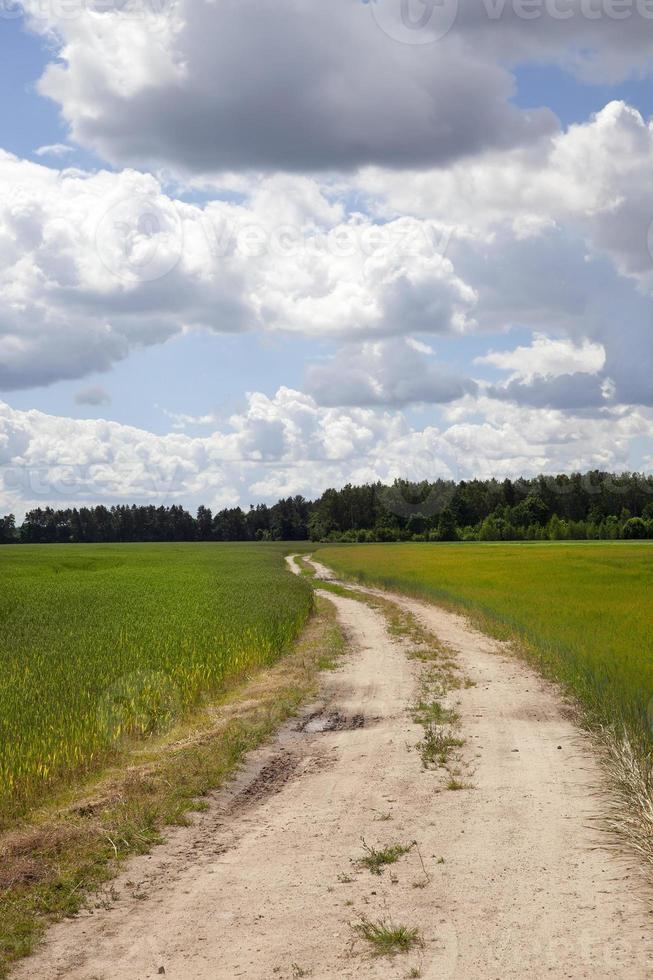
column 263, row 884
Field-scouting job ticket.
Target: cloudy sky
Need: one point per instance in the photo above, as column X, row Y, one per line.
column 252, row 248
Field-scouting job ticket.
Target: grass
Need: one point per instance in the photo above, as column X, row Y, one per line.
column 433, row 713
column 454, row 783
column 65, row 856
column 300, row 971
column 436, row 746
column 387, row 939
column 103, row 644
column 580, row 611
column 375, row 860
column 304, row 567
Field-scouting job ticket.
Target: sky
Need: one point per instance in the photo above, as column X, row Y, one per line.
column 253, row 249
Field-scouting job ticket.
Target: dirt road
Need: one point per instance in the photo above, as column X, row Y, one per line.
column 505, row 881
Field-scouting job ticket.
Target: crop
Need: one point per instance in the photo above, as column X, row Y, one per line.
column 101, row 644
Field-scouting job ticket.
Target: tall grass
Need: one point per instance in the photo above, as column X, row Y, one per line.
column 104, row 643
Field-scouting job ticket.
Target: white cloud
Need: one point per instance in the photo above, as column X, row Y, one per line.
column 289, row 444
column 94, row 265
column 443, row 209
column 419, row 345
column 593, row 180
column 54, row 150
column 548, row 358
column 181, row 420
column 391, row 372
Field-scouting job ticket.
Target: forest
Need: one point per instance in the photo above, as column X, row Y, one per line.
column 593, row 505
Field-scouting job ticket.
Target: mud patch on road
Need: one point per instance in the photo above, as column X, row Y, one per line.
column 272, row 777
column 330, row 721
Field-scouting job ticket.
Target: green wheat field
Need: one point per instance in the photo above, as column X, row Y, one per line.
column 102, row 643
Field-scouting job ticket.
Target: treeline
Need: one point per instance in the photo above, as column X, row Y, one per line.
column 287, row 520
column 593, row 505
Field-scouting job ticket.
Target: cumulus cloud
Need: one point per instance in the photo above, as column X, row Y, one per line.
column 393, row 373
column 560, row 243
column 599, row 41
column 289, row 444
column 547, row 357
column 565, row 392
column 441, row 208
column 552, row 372
column 94, row 265
column 592, row 181
column 325, row 88
column 162, row 84
column 93, row 395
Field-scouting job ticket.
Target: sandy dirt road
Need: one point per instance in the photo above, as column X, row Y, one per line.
column 263, row 885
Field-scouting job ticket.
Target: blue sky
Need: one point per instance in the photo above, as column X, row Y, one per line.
column 468, row 342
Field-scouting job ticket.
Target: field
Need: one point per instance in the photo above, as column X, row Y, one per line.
column 584, row 610
column 103, row 643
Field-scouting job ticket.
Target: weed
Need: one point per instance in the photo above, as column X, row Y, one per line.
column 387, row 939
column 375, row 860
column 436, row 745
column 433, row 713
column 299, row 971
column 454, row 783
